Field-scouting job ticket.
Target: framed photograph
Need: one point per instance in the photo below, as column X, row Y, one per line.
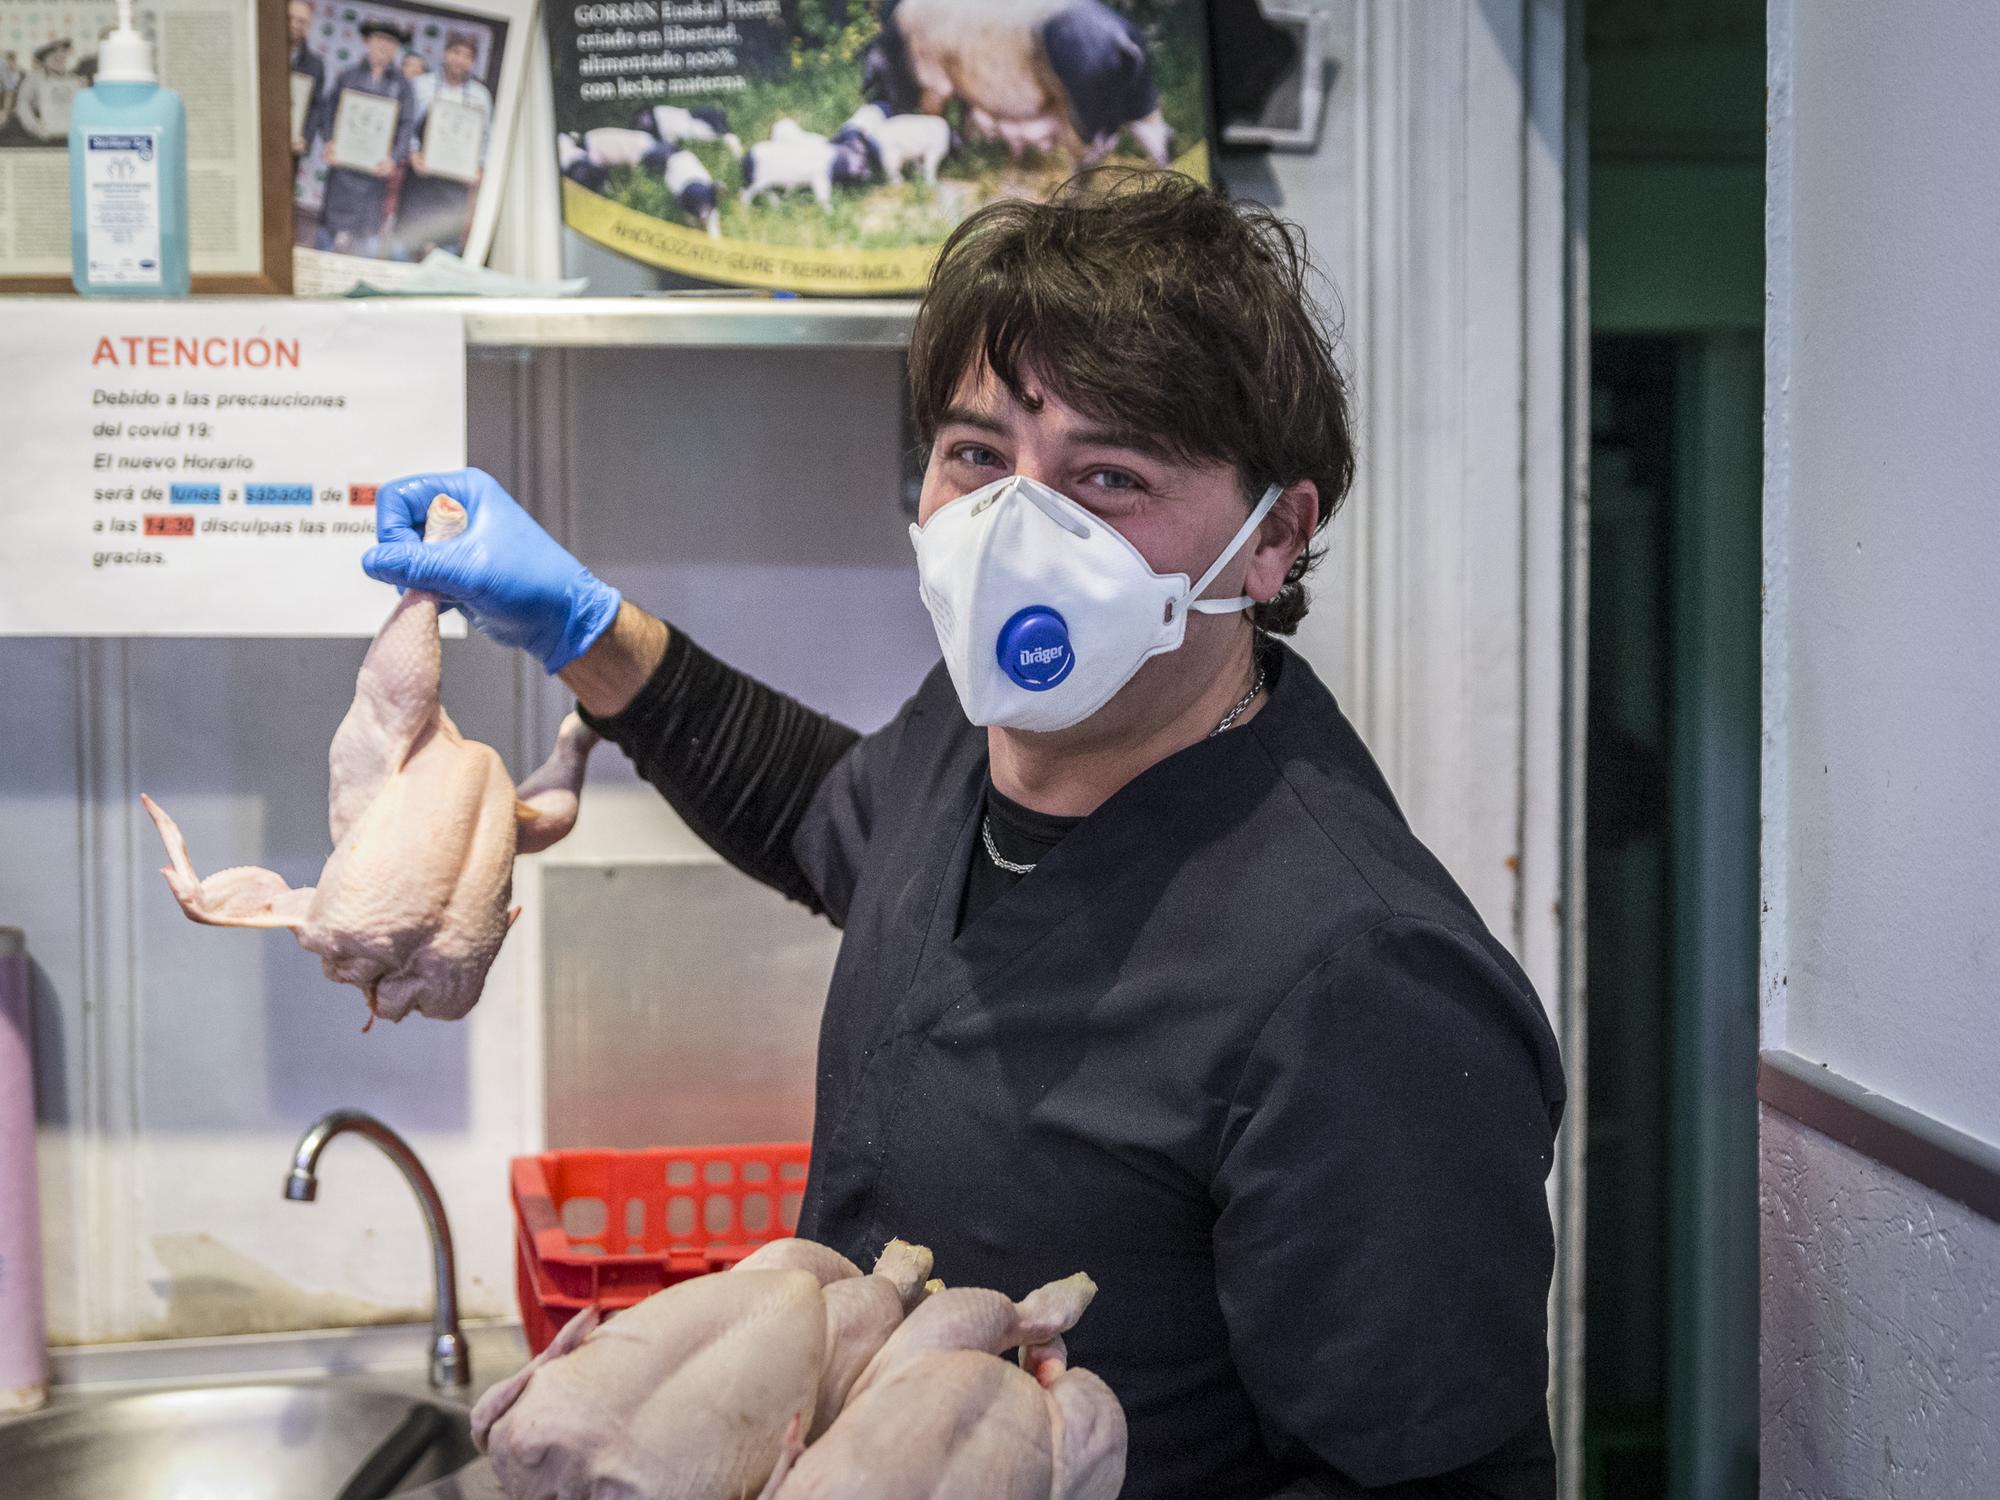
column 364, row 131
column 226, row 59
column 453, row 73
column 454, row 136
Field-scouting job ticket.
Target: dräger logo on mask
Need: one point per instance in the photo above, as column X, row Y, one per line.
column 1034, row 649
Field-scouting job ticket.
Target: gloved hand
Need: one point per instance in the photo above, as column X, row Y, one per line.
column 510, row 577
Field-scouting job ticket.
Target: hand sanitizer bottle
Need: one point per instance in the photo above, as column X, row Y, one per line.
column 128, row 175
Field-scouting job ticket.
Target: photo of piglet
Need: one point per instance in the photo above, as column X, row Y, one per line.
column 873, row 127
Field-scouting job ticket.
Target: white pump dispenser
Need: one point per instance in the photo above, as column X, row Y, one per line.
column 126, row 55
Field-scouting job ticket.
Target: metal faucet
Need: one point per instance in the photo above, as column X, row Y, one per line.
column 451, row 1363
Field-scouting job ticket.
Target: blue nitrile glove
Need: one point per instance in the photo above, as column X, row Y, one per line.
column 510, row 577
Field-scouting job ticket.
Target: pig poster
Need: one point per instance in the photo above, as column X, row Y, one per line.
column 829, row 146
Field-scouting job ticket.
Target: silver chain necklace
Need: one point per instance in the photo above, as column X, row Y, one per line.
column 1013, row 867
column 1242, row 703
column 986, row 833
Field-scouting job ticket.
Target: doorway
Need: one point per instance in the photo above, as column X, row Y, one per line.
column 1675, row 111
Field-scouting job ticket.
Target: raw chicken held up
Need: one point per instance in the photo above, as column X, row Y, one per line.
column 694, row 1393
column 936, row 1417
column 412, row 905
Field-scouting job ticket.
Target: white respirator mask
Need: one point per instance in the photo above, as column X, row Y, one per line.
column 1043, row 610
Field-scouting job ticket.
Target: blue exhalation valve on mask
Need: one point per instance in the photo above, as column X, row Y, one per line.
column 1034, row 648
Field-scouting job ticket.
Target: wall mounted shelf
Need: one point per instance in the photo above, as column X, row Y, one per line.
column 723, row 322
column 686, row 322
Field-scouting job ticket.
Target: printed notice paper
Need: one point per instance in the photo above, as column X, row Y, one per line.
column 211, row 469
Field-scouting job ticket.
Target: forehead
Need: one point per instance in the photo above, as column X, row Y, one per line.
column 981, row 392
column 984, row 399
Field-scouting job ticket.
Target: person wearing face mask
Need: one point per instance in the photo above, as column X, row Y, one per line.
column 1143, row 973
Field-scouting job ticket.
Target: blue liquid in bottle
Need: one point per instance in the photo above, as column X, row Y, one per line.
column 128, row 176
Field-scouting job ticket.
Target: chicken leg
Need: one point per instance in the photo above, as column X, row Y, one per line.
column 862, row 1314
column 861, row 1311
column 936, row 1417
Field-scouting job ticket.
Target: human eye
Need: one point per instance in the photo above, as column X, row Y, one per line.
column 975, row 456
column 1114, row 481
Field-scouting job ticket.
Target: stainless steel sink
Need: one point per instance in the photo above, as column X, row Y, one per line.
column 278, row 1441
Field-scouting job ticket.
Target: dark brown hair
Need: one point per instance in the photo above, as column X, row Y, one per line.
column 1147, row 300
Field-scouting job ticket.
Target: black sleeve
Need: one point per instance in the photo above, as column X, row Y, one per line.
column 319, row 122
column 832, row 838
column 739, row 761
column 1383, row 1245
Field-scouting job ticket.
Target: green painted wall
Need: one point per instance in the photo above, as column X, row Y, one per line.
column 1676, row 172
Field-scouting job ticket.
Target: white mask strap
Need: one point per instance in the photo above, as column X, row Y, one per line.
column 1243, row 534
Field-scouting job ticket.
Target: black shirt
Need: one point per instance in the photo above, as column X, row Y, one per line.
column 1238, row 1048
column 1020, row 835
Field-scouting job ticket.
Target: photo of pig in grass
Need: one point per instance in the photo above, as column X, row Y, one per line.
column 872, row 125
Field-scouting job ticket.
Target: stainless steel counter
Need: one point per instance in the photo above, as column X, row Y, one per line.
column 274, row 1415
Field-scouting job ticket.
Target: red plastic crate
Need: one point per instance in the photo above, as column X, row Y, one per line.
column 607, row 1229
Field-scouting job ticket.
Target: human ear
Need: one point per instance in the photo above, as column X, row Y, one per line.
column 1285, row 533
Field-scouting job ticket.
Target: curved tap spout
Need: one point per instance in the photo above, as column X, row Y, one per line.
column 450, row 1364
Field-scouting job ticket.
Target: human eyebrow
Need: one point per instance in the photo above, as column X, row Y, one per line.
column 1131, row 439
column 965, row 416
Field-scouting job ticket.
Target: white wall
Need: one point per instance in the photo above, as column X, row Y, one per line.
column 1882, row 713
column 1885, row 537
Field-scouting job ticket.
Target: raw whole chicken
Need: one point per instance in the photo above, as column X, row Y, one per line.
column 687, row 1396
column 412, row 905
column 861, row 1311
column 936, row 1416
column 694, row 1393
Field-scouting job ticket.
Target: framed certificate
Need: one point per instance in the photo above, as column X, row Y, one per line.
column 454, row 133
column 364, row 131
column 302, row 93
